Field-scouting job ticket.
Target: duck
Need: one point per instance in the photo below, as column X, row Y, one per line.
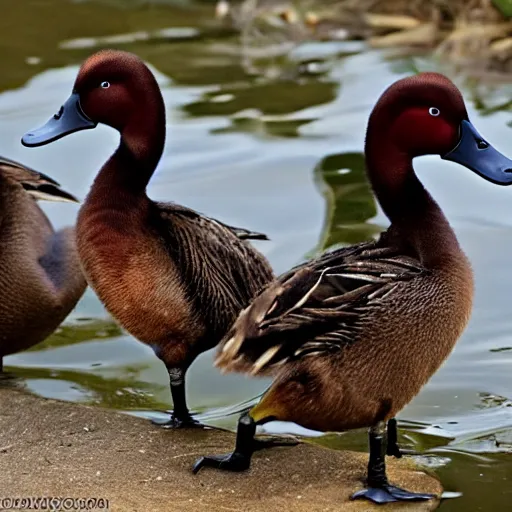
column 352, row 336
column 40, row 275
column 173, row 278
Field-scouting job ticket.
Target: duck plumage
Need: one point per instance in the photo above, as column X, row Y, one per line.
column 175, row 279
column 352, row 336
column 40, row 276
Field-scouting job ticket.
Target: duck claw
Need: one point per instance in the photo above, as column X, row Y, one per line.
column 231, row 462
column 390, row 494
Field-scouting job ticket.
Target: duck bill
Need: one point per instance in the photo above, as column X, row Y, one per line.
column 69, row 119
column 475, row 153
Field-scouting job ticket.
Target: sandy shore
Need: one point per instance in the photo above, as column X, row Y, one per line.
column 50, row 448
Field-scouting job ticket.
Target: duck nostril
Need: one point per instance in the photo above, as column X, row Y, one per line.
column 481, row 144
column 508, row 170
column 58, row 115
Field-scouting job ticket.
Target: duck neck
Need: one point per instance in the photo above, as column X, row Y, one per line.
column 130, row 168
column 415, row 216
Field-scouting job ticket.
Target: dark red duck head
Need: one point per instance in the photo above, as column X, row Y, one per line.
column 112, row 87
column 425, row 115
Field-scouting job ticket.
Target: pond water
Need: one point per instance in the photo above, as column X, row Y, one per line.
column 275, row 147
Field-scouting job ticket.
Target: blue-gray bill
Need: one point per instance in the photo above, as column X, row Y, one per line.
column 475, row 153
column 69, row 119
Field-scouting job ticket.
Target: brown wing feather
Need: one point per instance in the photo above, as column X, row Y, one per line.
column 37, row 184
column 221, row 271
column 241, row 233
column 315, row 308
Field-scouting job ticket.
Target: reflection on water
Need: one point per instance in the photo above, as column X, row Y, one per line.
column 275, row 148
column 274, row 98
column 350, row 204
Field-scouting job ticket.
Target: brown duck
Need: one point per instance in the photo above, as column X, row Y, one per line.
column 352, row 336
column 40, row 276
column 172, row 277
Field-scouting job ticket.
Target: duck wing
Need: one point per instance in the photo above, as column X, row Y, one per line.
column 221, row 270
column 241, row 233
column 37, row 184
column 314, row 308
column 244, row 234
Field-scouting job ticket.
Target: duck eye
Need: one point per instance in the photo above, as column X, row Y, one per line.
column 105, row 85
column 433, row 111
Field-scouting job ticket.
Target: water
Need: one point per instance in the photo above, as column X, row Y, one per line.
column 276, row 150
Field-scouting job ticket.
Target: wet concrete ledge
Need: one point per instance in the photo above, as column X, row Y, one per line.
column 51, row 448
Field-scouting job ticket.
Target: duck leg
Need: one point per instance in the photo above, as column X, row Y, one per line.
column 245, row 446
column 379, row 489
column 392, row 445
column 240, row 458
column 181, row 417
column 393, row 448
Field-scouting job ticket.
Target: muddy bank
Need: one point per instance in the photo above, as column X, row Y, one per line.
column 50, row 448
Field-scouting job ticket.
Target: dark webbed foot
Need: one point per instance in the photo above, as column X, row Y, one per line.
column 392, row 448
column 235, row 461
column 389, row 493
column 240, row 459
column 178, row 422
column 246, row 445
column 379, row 489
